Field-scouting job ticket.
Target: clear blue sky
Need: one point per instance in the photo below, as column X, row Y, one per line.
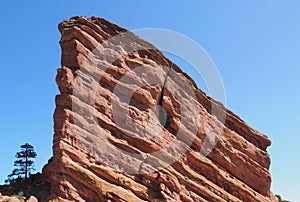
column 255, row 45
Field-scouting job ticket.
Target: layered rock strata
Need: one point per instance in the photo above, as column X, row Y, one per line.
column 132, row 126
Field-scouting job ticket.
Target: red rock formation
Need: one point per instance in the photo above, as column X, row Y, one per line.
column 113, row 143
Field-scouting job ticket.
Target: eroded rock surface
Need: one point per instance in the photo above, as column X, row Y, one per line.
column 131, row 126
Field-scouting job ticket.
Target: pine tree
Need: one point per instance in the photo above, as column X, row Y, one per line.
column 23, row 165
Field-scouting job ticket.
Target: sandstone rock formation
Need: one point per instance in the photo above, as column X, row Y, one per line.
column 15, row 199
column 131, row 126
column 8, row 199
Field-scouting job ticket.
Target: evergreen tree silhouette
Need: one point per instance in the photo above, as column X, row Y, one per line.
column 24, row 163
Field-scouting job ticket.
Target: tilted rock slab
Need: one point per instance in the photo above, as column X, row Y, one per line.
column 131, row 126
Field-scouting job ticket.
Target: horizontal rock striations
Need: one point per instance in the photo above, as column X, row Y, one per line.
column 131, row 126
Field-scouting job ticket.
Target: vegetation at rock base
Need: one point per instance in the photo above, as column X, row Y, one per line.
column 280, row 198
column 35, row 185
column 19, row 195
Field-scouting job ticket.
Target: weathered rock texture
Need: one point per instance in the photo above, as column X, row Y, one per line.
column 106, row 155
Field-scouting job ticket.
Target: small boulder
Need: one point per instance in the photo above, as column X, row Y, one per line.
column 32, row 199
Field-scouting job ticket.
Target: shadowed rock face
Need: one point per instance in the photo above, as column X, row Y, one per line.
column 131, row 126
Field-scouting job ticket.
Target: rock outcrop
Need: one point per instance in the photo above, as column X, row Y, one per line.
column 8, row 199
column 15, row 199
column 132, row 126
